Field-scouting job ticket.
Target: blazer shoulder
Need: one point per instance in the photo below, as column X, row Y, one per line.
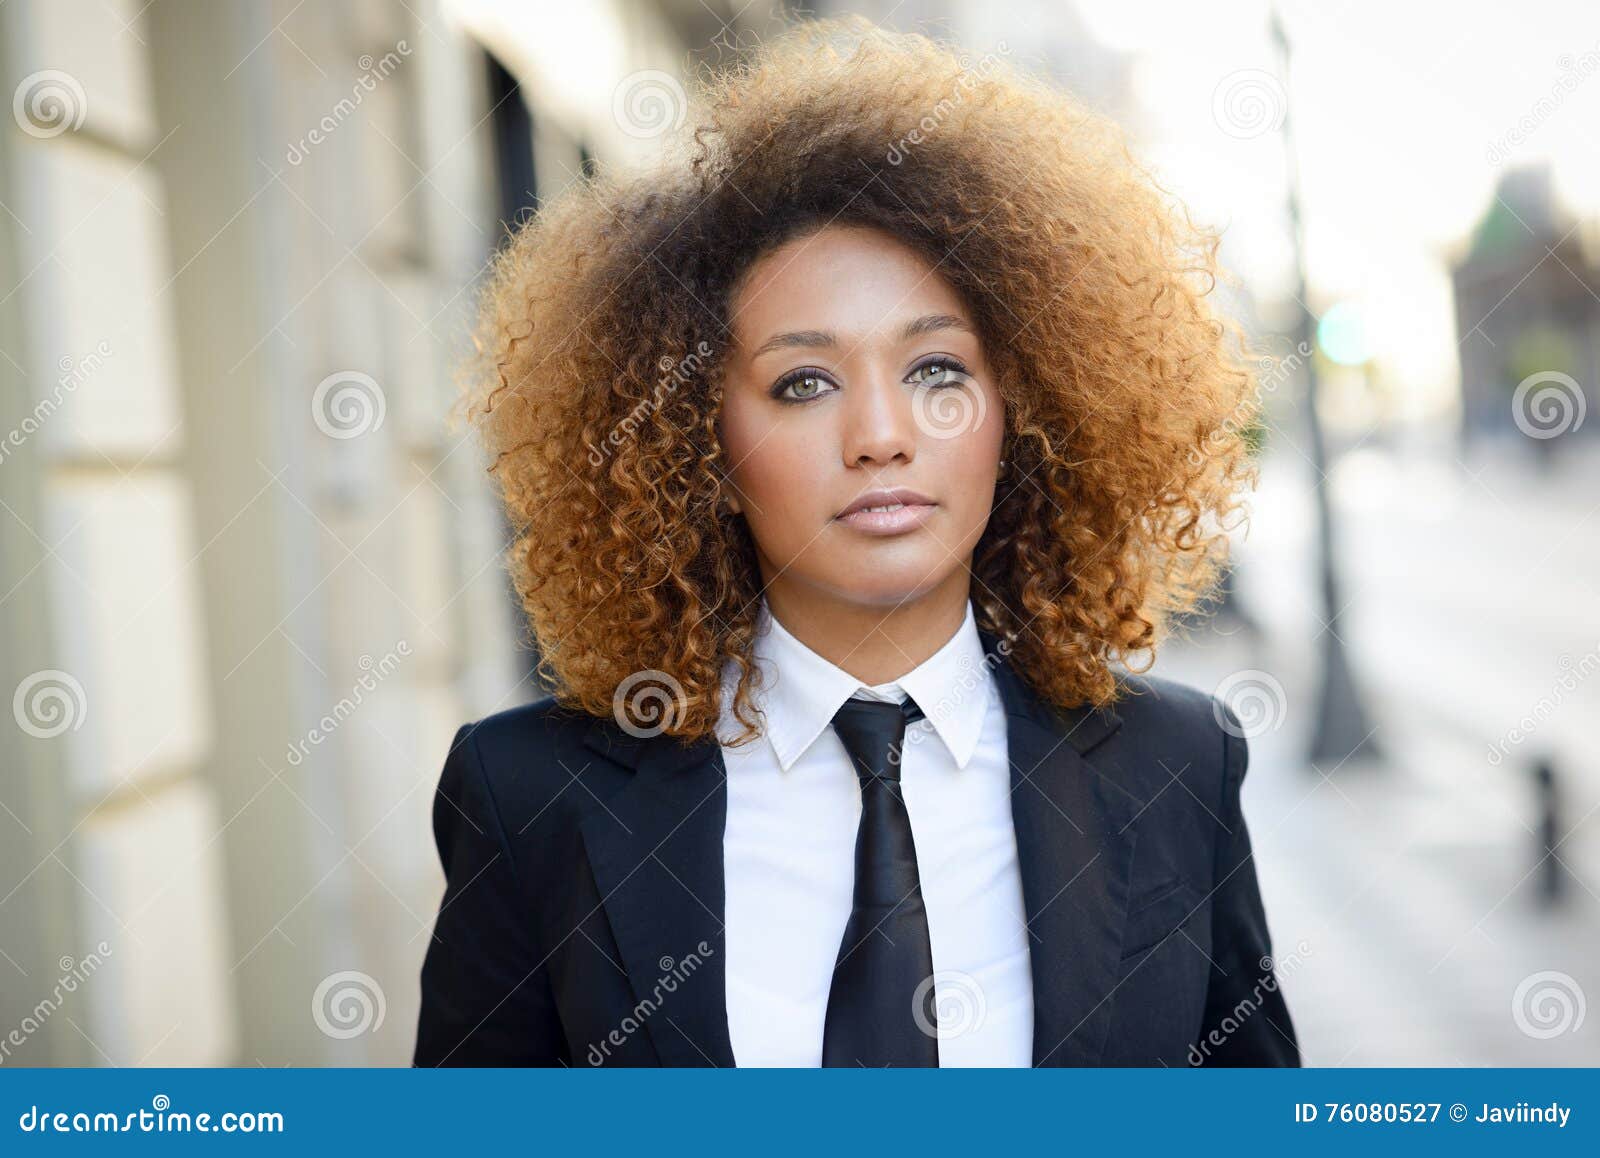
column 1167, row 725
column 526, row 742
column 1170, row 731
column 1169, row 705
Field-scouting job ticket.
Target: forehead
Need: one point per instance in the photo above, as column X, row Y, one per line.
column 847, row 279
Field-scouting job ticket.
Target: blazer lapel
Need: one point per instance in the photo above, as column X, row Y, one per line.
column 656, row 853
column 1075, row 850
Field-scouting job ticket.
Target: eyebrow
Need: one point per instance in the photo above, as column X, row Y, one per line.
column 927, row 323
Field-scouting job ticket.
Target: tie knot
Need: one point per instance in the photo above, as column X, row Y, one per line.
column 873, row 732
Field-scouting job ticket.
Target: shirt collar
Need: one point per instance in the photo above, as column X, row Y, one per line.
column 802, row 690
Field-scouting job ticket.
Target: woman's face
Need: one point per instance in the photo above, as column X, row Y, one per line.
column 856, row 368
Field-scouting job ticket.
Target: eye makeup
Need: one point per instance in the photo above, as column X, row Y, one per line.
column 954, row 374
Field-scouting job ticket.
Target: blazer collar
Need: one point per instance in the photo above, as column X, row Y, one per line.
column 1074, row 848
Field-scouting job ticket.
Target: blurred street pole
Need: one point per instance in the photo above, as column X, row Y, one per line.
column 1342, row 730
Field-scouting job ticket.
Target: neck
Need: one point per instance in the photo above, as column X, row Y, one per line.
column 875, row 643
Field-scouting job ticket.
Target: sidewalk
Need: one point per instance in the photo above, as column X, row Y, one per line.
column 1413, row 885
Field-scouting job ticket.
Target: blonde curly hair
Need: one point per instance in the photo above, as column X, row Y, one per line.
column 603, row 331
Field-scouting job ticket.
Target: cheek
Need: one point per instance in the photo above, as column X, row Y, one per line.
column 974, row 455
column 774, row 465
column 967, row 468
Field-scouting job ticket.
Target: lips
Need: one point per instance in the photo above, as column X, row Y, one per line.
column 895, row 498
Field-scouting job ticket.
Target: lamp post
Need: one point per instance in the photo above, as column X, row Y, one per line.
column 1341, row 730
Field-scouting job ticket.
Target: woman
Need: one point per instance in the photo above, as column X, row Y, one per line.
column 849, row 449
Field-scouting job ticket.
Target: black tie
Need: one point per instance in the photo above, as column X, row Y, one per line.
column 886, row 955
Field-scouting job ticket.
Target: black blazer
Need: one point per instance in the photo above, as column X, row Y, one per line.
column 582, row 917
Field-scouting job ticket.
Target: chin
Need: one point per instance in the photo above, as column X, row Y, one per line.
column 872, row 585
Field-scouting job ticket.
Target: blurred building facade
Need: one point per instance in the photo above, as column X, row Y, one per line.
column 1527, row 299
column 251, row 581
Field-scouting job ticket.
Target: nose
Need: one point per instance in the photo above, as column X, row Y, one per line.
column 879, row 424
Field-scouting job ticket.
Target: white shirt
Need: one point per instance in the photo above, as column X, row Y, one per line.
column 794, row 803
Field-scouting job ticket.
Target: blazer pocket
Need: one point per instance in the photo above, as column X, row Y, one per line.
column 1157, row 915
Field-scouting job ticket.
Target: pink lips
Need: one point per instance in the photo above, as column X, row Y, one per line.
column 906, row 509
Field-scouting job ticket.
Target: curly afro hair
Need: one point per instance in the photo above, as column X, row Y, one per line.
column 604, row 326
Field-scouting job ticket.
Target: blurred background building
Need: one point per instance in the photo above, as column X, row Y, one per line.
column 250, row 583
column 1530, row 257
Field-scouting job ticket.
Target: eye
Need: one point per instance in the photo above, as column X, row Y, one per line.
column 946, row 371
column 807, row 381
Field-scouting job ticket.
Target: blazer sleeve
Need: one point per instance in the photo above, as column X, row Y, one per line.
column 486, row 993
column 1246, row 1019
